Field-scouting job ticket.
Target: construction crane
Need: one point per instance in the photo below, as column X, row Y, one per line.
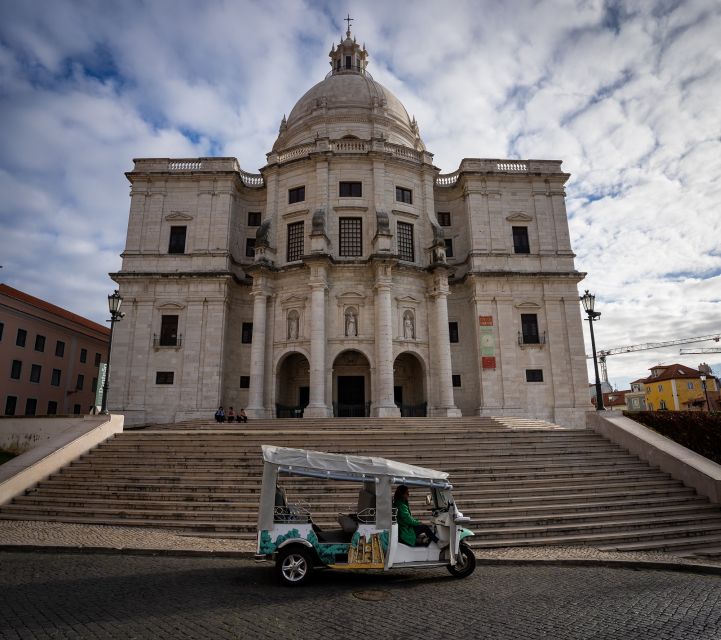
column 647, row 346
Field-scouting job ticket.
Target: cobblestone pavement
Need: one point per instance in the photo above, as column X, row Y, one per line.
column 48, row 595
column 87, row 536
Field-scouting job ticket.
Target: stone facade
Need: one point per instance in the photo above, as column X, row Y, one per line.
column 373, row 284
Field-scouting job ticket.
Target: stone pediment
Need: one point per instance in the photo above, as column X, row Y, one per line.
column 171, row 306
column 407, row 300
column 530, row 306
column 519, row 216
column 293, row 300
column 178, row 216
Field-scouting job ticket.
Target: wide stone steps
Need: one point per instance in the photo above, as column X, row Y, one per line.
column 521, row 482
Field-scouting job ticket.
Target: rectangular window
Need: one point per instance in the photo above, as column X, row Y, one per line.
column 94, row 386
column 16, row 369
column 660, row 387
column 350, row 189
column 529, row 327
column 246, row 334
column 250, row 247
column 39, row 343
column 296, row 194
column 31, row 406
column 35, row 373
column 59, row 348
column 177, row 239
column 449, row 247
column 351, row 236
column 55, row 378
column 164, row 377
column 245, row 382
column 689, row 385
column 2, row 326
column 83, row 355
column 168, row 331
column 404, row 195
column 52, row 407
column 97, row 359
column 254, row 218
column 444, row 218
column 456, row 380
column 405, row 242
column 80, row 382
column 534, row 375
column 295, row 241
column 453, row 331
column 520, row 240
column 10, row 405
column 76, row 409
column 21, row 338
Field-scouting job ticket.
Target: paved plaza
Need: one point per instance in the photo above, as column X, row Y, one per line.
column 52, row 595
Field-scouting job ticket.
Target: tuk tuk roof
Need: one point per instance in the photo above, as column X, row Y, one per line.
column 341, row 463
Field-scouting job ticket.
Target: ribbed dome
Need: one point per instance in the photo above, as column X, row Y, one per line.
column 348, row 103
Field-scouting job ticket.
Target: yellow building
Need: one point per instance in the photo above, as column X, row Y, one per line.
column 676, row 387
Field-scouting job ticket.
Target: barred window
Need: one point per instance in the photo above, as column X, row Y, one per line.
column 453, row 332
column 254, row 218
column 164, row 377
column 405, row 242
column 351, row 236
column 444, row 218
column 295, row 241
column 534, row 375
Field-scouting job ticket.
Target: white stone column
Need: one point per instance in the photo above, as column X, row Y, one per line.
column 256, row 408
column 317, row 406
column 384, row 404
column 443, row 368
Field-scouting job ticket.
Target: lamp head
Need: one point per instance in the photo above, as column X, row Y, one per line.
column 588, row 300
column 114, row 302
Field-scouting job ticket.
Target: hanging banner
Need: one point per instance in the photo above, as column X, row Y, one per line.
column 101, row 384
column 485, row 321
column 488, row 362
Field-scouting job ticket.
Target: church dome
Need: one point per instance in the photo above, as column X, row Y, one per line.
column 348, row 103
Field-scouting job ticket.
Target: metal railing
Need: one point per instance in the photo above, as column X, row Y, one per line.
column 289, row 411
column 413, row 410
column 343, row 410
column 531, row 339
column 167, row 342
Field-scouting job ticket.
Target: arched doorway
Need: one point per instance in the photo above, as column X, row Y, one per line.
column 292, row 386
column 409, row 386
column 351, row 385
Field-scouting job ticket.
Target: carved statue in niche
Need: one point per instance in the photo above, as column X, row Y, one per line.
column 293, row 325
column 351, row 322
column 318, row 222
column 439, row 244
column 383, row 224
column 409, row 327
column 262, row 235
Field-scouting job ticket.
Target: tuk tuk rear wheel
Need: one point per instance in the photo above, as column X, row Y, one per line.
column 294, row 566
column 465, row 563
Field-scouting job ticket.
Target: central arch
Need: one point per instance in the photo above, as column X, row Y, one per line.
column 351, row 385
column 409, row 385
column 292, row 386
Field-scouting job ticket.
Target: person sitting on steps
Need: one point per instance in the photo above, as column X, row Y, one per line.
column 230, row 415
column 241, row 415
column 220, row 415
column 408, row 527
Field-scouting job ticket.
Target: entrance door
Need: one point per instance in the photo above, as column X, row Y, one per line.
column 303, row 396
column 351, row 396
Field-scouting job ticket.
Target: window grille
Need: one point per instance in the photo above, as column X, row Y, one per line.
column 295, row 241
column 254, row 218
column 297, row 194
column 444, row 218
column 534, row 375
column 405, row 242
column 350, row 189
column 351, row 236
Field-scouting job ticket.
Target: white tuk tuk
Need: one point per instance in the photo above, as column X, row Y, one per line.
column 367, row 535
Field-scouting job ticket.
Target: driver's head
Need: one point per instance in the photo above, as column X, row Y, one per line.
column 401, row 493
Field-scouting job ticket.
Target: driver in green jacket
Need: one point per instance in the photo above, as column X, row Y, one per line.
column 408, row 527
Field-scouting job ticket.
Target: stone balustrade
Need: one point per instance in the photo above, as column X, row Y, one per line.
column 351, row 146
column 447, row 180
column 295, row 152
column 496, row 165
column 178, row 165
column 403, row 152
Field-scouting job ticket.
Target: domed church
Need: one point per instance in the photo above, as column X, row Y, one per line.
column 350, row 277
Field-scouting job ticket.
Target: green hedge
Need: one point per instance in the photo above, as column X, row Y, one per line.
column 697, row 430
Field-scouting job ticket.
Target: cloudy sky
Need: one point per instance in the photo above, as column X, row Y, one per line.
column 629, row 98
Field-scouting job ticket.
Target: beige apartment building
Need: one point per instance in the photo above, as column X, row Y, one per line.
column 349, row 277
column 49, row 357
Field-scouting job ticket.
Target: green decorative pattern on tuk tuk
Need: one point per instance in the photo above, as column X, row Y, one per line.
column 327, row 551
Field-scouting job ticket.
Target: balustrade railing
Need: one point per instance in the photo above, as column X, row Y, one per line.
column 403, row 152
column 185, row 165
column 166, row 341
column 252, row 179
column 357, row 146
column 515, row 167
column 296, row 152
column 447, row 180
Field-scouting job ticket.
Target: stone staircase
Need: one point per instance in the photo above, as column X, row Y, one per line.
column 522, row 482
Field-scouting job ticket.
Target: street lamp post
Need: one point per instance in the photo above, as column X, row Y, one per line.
column 588, row 300
column 705, row 390
column 114, row 302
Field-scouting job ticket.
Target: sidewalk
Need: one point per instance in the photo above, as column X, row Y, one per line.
column 56, row 536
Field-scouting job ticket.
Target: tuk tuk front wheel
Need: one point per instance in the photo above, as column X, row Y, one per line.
column 465, row 563
column 293, row 566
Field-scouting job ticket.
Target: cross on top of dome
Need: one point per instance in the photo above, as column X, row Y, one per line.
column 348, row 57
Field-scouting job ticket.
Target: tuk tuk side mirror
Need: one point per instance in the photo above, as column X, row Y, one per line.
column 429, row 499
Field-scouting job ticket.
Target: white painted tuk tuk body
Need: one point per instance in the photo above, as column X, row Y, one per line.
column 367, row 537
